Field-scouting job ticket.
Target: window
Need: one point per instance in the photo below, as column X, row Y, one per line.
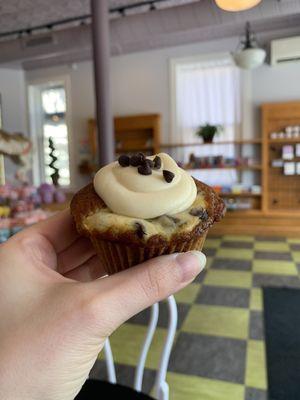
column 206, row 90
column 48, row 116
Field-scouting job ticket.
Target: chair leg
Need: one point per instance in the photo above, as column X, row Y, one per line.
column 161, row 386
column 139, row 372
column 111, row 372
column 163, row 391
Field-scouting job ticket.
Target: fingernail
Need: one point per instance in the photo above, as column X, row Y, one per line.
column 191, row 263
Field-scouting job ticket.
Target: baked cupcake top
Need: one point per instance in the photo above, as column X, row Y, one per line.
column 145, row 201
column 149, row 188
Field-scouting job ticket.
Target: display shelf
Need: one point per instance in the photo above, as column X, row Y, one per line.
column 243, row 194
column 252, row 212
column 257, row 167
column 285, row 140
column 281, row 192
column 234, row 142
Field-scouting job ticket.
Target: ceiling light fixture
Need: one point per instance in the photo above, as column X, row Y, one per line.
column 250, row 56
column 236, row 5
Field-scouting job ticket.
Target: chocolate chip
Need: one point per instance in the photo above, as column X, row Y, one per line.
column 140, row 230
column 124, row 160
column 135, row 160
column 168, row 175
column 144, row 169
column 149, row 162
column 204, row 215
column 141, row 155
column 199, row 212
column 157, row 162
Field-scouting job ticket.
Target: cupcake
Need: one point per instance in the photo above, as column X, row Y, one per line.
column 141, row 207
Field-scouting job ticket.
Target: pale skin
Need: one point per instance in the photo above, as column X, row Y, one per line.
column 56, row 313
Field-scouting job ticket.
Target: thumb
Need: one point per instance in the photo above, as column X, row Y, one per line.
column 123, row 295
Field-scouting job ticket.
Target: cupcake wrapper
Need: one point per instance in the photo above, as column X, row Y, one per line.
column 116, row 257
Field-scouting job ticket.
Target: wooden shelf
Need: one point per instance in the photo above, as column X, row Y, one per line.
column 243, row 194
column 280, row 192
column 235, row 142
column 285, row 140
column 241, row 213
column 238, row 168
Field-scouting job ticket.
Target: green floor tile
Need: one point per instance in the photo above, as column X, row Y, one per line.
column 236, row 254
column 209, row 260
column 238, row 238
column 126, row 344
column 274, row 267
column 239, row 279
column 184, row 387
column 188, row 294
column 211, row 243
column 217, row 321
column 256, row 300
column 256, row 365
column 293, row 240
column 271, row 246
column 296, row 256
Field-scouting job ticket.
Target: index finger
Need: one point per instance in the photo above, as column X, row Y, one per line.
column 60, row 230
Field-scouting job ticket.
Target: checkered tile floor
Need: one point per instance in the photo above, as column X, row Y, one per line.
column 219, row 352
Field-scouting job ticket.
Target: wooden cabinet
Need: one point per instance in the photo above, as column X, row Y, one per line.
column 137, row 133
column 133, row 133
column 281, row 192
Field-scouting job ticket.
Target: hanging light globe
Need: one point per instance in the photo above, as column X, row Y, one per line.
column 236, row 5
column 249, row 56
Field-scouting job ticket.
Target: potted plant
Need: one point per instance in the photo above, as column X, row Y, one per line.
column 207, row 132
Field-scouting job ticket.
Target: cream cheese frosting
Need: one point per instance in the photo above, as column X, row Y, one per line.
column 128, row 193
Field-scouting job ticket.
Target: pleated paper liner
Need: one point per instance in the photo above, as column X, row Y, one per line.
column 116, row 257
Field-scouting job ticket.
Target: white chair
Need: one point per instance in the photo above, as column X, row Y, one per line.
column 161, row 387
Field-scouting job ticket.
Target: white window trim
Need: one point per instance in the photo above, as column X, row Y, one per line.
column 38, row 177
column 246, row 88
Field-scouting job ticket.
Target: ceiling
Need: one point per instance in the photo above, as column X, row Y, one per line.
column 23, row 14
column 175, row 22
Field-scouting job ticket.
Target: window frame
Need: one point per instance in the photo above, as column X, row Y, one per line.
column 246, row 92
column 34, row 87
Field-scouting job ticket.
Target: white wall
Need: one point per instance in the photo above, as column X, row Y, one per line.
column 274, row 84
column 12, row 89
column 140, row 84
column 14, row 110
